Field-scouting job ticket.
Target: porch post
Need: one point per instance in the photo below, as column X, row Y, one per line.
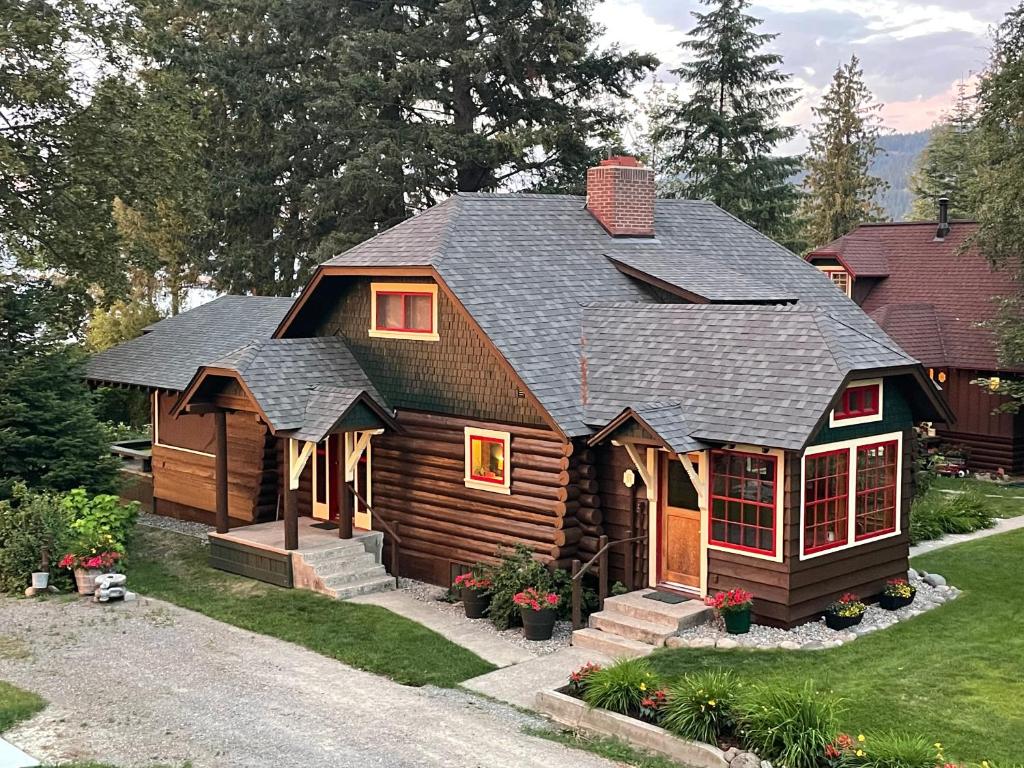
column 345, row 509
column 221, row 428
column 291, row 518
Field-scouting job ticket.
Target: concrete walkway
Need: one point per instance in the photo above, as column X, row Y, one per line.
column 12, row 757
column 518, row 685
column 468, row 634
column 1004, row 525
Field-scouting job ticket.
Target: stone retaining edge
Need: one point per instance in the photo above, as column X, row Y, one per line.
column 576, row 714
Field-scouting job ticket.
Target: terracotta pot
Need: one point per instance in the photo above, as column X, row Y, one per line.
column 832, row 621
column 538, row 625
column 893, row 603
column 85, row 578
column 737, row 622
column 476, row 602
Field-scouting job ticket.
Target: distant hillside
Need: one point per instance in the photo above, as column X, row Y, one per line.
column 895, row 166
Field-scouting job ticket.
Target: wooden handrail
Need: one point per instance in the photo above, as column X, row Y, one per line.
column 390, row 528
column 600, row 557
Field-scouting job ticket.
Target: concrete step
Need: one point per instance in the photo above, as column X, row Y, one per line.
column 609, row 644
column 689, row 613
column 340, row 578
column 343, row 561
column 631, row 627
column 374, row 584
column 346, row 548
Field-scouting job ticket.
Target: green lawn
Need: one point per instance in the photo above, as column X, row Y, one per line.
column 955, row 674
column 1000, row 498
column 16, row 705
column 173, row 567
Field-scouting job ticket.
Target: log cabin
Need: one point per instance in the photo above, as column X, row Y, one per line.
column 931, row 289
column 551, row 371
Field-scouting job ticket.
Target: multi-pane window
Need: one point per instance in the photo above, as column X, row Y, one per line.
column 743, row 501
column 840, row 279
column 826, row 500
column 859, row 401
column 876, row 489
column 487, row 460
column 408, row 311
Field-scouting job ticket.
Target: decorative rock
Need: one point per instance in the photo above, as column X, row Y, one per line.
column 913, row 575
column 730, row 754
column 765, row 764
column 789, row 645
column 745, row 760
column 935, row 580
column 814, row 645
column 727, row 643
column 702, row 642
column 676, row 642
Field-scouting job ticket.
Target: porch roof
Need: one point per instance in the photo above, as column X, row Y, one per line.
column 662, row 422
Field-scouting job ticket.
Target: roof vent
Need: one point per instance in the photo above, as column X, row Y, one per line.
column 620, row 195
column 943, row 219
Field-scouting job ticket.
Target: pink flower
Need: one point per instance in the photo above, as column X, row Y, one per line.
column 552, row 598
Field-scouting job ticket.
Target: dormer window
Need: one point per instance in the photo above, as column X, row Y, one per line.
column 404, row 311
column 861, row 403
column 840, row 278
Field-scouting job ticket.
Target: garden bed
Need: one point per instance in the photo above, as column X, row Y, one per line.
column 576, row 714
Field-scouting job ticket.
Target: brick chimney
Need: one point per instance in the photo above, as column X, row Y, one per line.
column 620, row 195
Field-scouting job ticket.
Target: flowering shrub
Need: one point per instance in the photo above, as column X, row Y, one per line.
column 578, row 679
column 99, row 560
column 733, row 601
column 701, row 705
column 898, row 588
column 470, row 581
column 535, row 599
column 652, row 705
column 847, row 606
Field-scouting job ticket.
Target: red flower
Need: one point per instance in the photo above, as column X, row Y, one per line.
column 535, row 600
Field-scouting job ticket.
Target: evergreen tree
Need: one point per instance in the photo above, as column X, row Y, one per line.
column 948, row 166
column 718, row 144
column 839, row 188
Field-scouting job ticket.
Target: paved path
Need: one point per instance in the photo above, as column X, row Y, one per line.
column 145, row 682
column 485, row 644
column 518, row 685
column 1002, row 526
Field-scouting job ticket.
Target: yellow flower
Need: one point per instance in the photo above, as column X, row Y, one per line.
column 860, row 753
column 984, row 764
column 938, row 745
column 860, row 738
column 643, row 686
column 711, row 702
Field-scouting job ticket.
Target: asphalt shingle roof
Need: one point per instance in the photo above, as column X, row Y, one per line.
column 756, row 374
column 523, row 265
column 168, row 353
column 669, row 422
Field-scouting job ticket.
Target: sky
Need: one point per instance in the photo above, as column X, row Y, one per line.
column 913, row 53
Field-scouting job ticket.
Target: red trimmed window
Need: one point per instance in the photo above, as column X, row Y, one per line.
column 859, row 401
column 405, row 311
column 826, row 500
column 487, row 459
column 743, row 502
column 876, row 489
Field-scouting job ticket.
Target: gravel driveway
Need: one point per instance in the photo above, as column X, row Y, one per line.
column 144, row 682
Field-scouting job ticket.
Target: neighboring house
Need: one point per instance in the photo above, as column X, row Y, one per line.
column 495, row 371
column 930, row 294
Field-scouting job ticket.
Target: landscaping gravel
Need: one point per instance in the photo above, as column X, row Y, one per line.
column 186, row 527
column 432, row 595
column 141, row 683
column 815, row 635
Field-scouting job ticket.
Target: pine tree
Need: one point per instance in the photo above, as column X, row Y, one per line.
column 839, row 188
column 718, row 144
column 948, row 166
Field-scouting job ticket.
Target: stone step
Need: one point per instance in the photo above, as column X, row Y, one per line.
column 609, row 644
column 689, row 613
column 352, row 548
column 340, row 578
column 631, row 627
column 344, row 561
column 374, row 584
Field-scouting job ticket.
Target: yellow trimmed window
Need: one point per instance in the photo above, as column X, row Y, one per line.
column 487, row 460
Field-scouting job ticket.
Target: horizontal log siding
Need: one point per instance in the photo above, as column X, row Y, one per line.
column 458, row 374
column 610, row 463
column 993, row 440
column 418, row 482
column 184, row 483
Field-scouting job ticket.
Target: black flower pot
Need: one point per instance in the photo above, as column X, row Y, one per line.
column 476, row 602
column 538, row 625
column 893, row 603
column 834, row 621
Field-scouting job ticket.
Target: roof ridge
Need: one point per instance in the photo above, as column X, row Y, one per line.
column 894, row 349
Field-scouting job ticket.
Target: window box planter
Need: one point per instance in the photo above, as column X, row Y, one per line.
column 475, row 602
column 894, row 603
column 575, row 714
column 737, row 622
column 832, row 621
column 538, row 625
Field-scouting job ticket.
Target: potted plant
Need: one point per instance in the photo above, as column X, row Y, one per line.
column 476, row 596
column 898, row 593
column 88, row 561
column 538, row 611
column 845, row 612
column 734, row 608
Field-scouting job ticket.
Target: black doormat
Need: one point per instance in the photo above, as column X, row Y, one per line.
column 325, row 526
column 666, row 597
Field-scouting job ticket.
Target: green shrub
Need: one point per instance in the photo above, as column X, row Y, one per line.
column 701, row 706
column 791, row 727
column 899, row 750
column 101, row 518
column 934, row 515
column 621, row 686
column 518, row 571
column 34, row 527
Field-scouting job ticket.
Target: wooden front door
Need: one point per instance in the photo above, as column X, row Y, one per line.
column 324, row 459
column 678, row 526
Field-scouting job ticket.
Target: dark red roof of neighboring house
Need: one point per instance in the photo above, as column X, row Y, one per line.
column 928, row 294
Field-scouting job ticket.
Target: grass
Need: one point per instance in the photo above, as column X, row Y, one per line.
column 610, row 749
column 17, row 705
column 999, row 497
column 172, row 567
column 953, row 675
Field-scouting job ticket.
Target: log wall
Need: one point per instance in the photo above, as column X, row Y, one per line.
column 993, row 440
column 618, row 514
column 418, row 482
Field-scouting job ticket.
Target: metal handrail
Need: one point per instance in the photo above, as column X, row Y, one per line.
column 601, row 557
column 396, row 540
